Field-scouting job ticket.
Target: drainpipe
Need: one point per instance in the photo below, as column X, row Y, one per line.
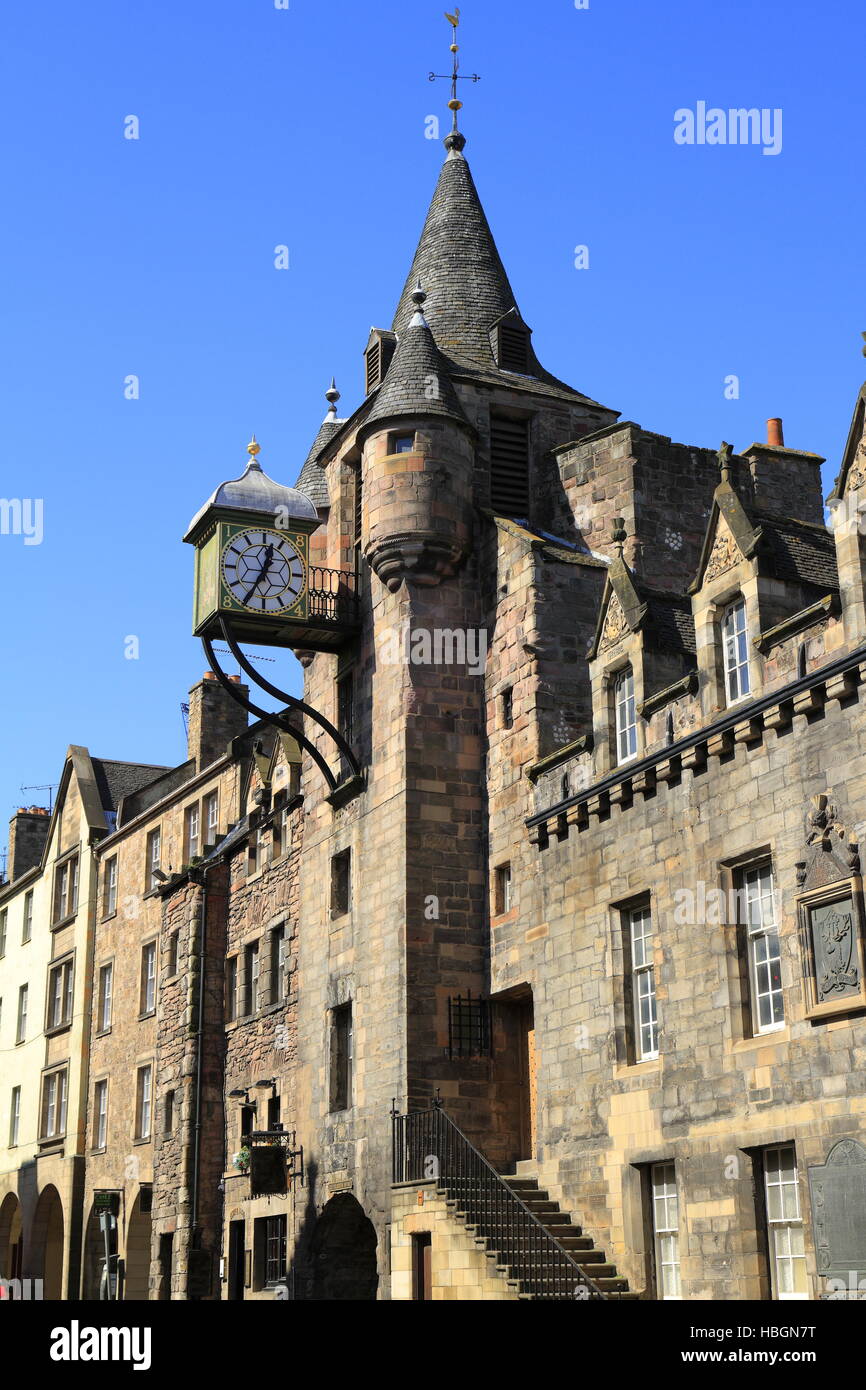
column 199, row 877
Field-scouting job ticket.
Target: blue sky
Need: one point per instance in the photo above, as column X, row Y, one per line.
column 306, row 127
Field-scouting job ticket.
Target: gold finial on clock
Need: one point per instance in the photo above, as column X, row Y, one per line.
column 253, row 448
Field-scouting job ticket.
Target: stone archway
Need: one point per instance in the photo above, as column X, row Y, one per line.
column 11, row 1243
column 48, row 1243
column 138, row 1232
column 343, row 1252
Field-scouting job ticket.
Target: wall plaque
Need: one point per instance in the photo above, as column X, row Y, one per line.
column 837, row 1190
column 833, row 931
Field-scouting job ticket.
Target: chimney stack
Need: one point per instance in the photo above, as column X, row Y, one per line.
column 28, row 831
column 214, row 719
column 786, row 482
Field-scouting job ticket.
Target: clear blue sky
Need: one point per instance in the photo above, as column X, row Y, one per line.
column 306, row 127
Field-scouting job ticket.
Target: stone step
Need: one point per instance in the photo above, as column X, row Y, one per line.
column 559, row 1229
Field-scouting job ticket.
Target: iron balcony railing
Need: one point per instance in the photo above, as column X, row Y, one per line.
column 333, row 595
column 428, row 1146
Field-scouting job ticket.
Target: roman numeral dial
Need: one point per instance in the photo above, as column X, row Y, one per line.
column 263, row 571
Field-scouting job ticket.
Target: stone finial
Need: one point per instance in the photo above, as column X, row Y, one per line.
column 724, row 457
column 619, row 534
column 419, row 298
column 332, row 395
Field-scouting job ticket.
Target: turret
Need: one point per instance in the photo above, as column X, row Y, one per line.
column 417, row 465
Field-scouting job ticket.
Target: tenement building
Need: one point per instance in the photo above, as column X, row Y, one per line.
column 544, row 978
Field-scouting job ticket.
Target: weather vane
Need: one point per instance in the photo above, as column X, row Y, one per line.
column 455, row 75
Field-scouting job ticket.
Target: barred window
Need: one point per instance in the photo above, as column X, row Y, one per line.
column 468, row 1026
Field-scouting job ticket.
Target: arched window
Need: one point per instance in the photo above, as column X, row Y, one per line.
column 735, row 647
column 626, row 721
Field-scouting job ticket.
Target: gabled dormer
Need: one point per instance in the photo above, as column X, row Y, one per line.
column 764, row 582
column 847, row 505
column 641, row 662
column 380, row 348
column 511, row 344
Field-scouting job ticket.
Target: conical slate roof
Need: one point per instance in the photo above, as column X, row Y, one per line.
column 311, row 479
column 460, row 268
column 417, row 381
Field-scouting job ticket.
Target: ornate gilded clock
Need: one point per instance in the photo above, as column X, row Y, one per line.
column 252, row 543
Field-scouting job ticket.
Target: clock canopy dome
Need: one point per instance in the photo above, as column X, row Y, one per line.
column 255, row 493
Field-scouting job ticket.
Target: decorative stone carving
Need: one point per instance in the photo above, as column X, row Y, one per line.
column 837, row 1190
column 857, row 472
column 835, row 854
column 615, row 624
column 833, row 930
column 724, row 554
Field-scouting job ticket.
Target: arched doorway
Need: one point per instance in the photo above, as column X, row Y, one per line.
column 48, row 1243
column 11, row 1244
column 343, row 1251
column 137, row 1282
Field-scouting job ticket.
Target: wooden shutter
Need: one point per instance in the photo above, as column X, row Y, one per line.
column 509, row 467
column 374, row 365
column 378, row 358
column 513, row 348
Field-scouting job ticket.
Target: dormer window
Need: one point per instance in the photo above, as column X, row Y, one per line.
column 512, row 348
column 735, row 652
column 377, row 356
column 626, row 718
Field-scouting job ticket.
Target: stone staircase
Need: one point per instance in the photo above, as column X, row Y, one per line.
column 497, row 1246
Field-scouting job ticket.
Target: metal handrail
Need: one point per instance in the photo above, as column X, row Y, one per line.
column 428, row 1146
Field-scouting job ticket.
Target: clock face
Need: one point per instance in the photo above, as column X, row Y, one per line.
column 263, row 570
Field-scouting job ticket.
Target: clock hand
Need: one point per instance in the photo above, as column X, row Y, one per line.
column 269, row 555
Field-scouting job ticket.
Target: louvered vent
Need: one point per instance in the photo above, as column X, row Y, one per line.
column 513, row 348
column 378, row 356
column 509, row 467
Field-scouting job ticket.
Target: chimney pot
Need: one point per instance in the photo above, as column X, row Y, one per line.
column 775, row 437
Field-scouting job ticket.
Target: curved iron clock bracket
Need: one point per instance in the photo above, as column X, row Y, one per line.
column 270, row 717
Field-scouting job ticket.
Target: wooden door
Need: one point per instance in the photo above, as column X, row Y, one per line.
column 528, row 1079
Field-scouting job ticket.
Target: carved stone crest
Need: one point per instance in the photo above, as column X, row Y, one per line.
column 724, row 554
column 857, row 472
column 615, row 623
column 827, row 836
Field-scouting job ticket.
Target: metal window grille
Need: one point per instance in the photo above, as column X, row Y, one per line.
column 468, row 1026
